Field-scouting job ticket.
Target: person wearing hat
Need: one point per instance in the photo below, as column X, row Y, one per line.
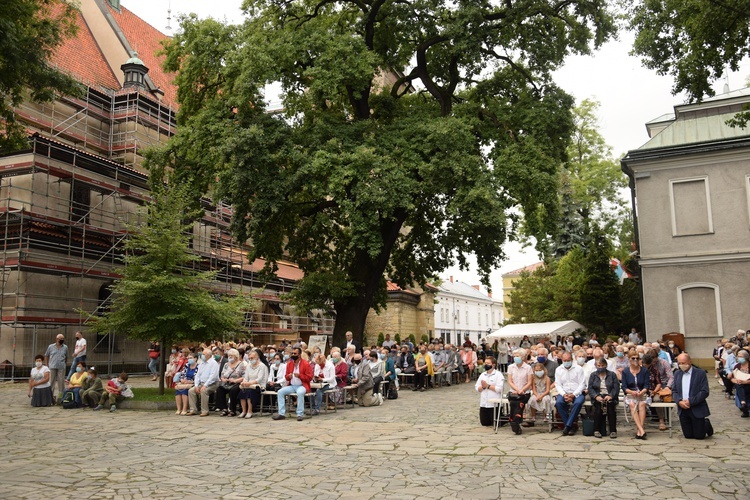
column 92, row 389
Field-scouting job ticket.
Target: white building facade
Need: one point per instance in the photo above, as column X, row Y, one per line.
column 462, row 309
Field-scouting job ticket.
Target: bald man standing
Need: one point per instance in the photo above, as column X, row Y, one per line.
column 690, row 390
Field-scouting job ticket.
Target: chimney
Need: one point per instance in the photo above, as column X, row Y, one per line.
column 489, row 294
column 476, row 287
column 451, row 279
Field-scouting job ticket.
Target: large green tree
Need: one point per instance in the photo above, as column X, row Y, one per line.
column 161, row 296
column 591, row 186
column 30, row 31
column 692, row 41
column 412, row 133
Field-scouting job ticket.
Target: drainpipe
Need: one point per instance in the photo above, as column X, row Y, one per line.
column 631, row 184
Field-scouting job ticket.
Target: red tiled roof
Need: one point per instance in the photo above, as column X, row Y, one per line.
column 82, row 58
column 530, row 269
column 393, row 287
column 146, row 40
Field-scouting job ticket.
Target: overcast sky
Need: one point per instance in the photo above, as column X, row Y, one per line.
column 630, row 95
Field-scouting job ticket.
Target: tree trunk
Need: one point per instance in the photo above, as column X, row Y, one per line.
column 350, row 316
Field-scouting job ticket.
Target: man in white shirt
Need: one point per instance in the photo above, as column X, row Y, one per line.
column 205, row 383
column 569, row 381
column 489, row 386
column 79, row 354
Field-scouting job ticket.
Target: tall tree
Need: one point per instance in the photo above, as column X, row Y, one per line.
column 412, row 134
column 30, row 30
column 694, row 42
column 160, row 295
column 591, row 185
column 600, row 299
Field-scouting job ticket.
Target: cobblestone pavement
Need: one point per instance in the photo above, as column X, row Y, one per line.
column 423, row 445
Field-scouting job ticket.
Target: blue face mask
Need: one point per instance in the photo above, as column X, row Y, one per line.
column 191, row 361
column 741, row 360
column 517, row 360
column 541, row 359
column 567, row 364
column 79, row 369
column 381, row 355
column 203, row 357
column 620, row 354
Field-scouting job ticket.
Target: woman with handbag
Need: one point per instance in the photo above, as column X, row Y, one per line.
column 153, row 360
column 229, row 384
column 661, row 377
column 635, row 384
column 183, row 382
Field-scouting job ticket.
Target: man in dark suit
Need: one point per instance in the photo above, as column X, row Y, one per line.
column 350, row 341
column 690, row 390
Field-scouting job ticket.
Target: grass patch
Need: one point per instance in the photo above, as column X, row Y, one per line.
column 152, row 394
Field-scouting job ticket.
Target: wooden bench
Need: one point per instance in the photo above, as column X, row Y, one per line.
column 668, row 406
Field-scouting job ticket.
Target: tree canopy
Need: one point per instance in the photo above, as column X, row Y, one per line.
column 694, row 42
column 412, row 133
column 590, row 186
column 30, row 30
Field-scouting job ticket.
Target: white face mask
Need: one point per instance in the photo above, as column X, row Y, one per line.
column 38, row 364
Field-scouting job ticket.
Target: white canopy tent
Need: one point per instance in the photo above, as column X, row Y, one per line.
column 551, row 329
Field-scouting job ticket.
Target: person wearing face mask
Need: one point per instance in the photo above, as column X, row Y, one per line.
column 341, row 369
column 174, row 366
column 253, row 381
column 422, row 368
column 40, row 389
column 79, row 354
column 489, row 386
column 276, row 373
column 542, row 356
column 92, row 390
column 604, row 392
column 299, row 373
column 740, row 377
column 183, row 382
column 205, row 383
column 520, row 379
column 540, row 399
column 690, row 390
column 389, row 363
column 636, row 383
column 324, row 378
column 55, row 359
column 621, row 361
column 468, row 361
column 451, row 363
column 364, row 383
column 75, row 384
column 569, row 382
column 229, row 383
column 377, row 369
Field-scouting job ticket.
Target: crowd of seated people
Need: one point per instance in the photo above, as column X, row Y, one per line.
column 578, row 373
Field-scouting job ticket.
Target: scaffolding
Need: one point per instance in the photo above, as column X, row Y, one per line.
column 65, row 205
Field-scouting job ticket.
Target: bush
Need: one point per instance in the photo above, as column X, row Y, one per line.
column 381, row 339
column 425, row 339
column 397, row 338
column 412, row 339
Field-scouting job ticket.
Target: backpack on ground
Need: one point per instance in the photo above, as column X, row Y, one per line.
column 69, row 400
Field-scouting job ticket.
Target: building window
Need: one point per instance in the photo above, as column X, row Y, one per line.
column 457, row 315
column 747, row 190
column 699, row 310
column 467, row 317
column 690, row 202
column 80, row 197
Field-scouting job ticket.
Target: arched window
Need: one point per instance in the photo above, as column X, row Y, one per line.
column 699, row 310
